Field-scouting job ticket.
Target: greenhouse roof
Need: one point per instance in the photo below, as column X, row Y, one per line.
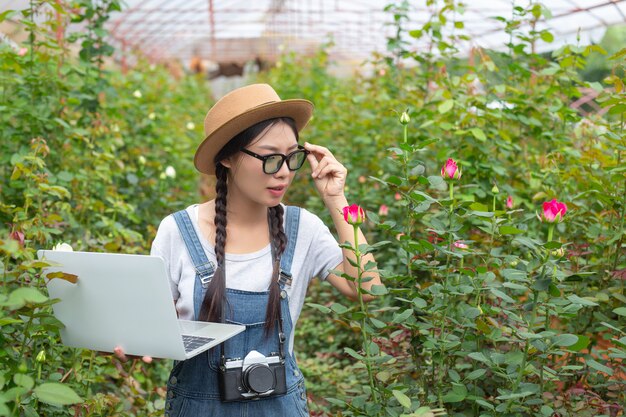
column 238, row 30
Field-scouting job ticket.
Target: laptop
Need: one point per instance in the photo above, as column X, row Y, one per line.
column 125, row 300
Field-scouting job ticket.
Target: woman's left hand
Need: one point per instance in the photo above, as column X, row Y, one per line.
column 328, row 173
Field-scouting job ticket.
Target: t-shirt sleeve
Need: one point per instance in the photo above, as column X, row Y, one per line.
column 162, row 246
column 324, row 252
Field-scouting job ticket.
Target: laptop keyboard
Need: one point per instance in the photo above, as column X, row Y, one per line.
column 194, row 342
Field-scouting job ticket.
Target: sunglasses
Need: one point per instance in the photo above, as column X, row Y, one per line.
column 273, row 162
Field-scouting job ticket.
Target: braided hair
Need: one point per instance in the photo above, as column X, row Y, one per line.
column 214, row 300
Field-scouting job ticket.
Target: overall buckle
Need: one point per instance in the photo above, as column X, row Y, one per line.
column 284, row 278
column 205, row 278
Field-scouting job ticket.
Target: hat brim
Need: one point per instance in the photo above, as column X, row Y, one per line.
column 298, row 109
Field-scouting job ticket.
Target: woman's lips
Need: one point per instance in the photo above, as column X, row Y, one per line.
column 276, row 191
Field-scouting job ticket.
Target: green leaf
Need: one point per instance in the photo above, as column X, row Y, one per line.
column 478, row 207
column 582, row 301
column 378, row 323
column 56, row 394
column 402, row 398
column 566, row 339
column 582, row 343
column 320, row 307
column 8, row 14
column 514, row 275
column 25, row 295
column 458, row 393
column 7, row 320
column 475, row 374
column 553, row 245
column 383, row 376
column 478, row 134
column 485, row 404
column 599, row 367
column 353, row 353
column 510, row 230
column 400, row 317
column 454, row 375
column 554, row 290
column 620, row 311
column 24, row 380
column 479, row 356
column 378, row 290
column 547, row 36
column 30, row 412
column 515, row 286
column 338, row 308
column 501, row 295
column 514, row 395
column 445, row 106
column 481, row 213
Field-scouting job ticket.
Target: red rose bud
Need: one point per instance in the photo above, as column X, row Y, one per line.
column 509, row 202
column 450, row 170
column 553, row 211
column 354, row 214
column 18, row 236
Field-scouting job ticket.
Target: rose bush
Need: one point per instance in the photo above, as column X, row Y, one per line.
column 485, row 311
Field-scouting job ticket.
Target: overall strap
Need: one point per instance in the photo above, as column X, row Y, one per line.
column 292, row 221
column 203, row 266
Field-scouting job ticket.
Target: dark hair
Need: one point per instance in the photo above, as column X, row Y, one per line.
column 214, row 299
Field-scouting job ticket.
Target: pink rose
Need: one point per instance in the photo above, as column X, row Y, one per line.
column 509, row 202
column 460, row 245
column 450, row 170
column 383, row 210
column 22, row 51
column 553, row 211
column 354, row 214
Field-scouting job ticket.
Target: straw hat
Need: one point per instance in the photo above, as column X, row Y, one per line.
column 241, row 109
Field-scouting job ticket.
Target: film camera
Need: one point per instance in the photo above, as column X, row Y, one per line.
column 256, row 376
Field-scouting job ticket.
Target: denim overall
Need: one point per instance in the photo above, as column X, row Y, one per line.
column 192, row 388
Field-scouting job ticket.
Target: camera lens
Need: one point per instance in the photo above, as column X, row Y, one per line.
column 259, row 378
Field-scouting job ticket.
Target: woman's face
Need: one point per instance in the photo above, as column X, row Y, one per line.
column 247, row 176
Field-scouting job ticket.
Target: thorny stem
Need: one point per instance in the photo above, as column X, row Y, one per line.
column 409, row 209
column 520, row 374
column 445, row 313
column 366, row 340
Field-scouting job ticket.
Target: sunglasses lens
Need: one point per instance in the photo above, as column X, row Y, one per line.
column 296, row 160
column 273, row 164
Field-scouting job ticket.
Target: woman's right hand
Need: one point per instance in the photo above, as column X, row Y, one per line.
column 119, row 353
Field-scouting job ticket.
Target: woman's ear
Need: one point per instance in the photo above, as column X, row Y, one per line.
column 226, row 163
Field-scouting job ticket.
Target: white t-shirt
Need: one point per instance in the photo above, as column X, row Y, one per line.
column 316, row 252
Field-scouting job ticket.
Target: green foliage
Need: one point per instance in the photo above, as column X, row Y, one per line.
column 522, row 321
column 83, row 156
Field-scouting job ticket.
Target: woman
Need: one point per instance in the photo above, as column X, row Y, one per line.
column 256, row 257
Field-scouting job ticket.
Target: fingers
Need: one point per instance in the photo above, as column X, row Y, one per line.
column 312, row 160
column 331, row 168
column 317, row 150
column 119, row 353
column 320, row 167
